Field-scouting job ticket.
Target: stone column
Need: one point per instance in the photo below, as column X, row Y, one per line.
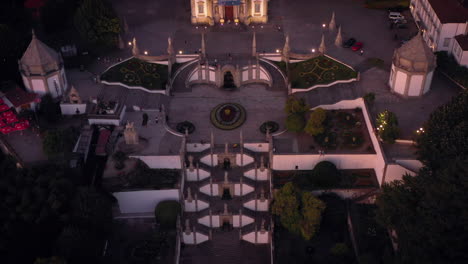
column 254, row 45
column 286, row 50
column 203, row 48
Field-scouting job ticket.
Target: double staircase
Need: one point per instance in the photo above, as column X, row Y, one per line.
column 226, row 214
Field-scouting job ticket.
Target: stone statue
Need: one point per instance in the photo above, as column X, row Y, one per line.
column 73, row 96
column 130, row 134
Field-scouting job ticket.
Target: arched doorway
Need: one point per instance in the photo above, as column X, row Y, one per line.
column 227, row 164
column 229, row 80
column 229, row 13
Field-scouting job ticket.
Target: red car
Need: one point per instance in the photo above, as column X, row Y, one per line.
column 357, row 46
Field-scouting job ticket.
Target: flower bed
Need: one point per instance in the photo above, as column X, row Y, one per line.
column 138, row 73
column 228, row 116
column 319, row 70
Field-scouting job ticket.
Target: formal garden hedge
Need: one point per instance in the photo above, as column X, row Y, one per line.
column 138, row 73
column 318, row 70
column 447, row 64
column 144, row 177
column 228, row 116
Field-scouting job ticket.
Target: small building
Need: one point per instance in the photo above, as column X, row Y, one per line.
column 42, row 69
column 460, row 49
column 440, row 21
column 211, row 12
column 412, row 68
column 19, row 99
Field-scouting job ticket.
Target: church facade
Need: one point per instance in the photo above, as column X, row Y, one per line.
column 211, row 12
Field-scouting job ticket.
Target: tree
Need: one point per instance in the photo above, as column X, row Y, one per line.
column 387, row 126
column 92, row 209
column 295, row 106
column 295, row 122
column 299, row 212
column 429, row 214
column 445, row 135
column 119, row 159
column 78, row 245
column 59, row 142
column 49, row 108
column 324, row 175
column 369, row 98
column 314, row 125
column 97, row 22
column 166, row 213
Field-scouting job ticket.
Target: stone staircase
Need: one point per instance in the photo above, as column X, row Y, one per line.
column 226, row 246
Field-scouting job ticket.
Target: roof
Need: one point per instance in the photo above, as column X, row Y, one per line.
column 462, row 41
column 39, row 54
column 415, row 55
column 450, row 11
column 19, row 97
column 395, row 172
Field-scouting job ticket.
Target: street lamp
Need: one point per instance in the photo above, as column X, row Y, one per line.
column 324, row 25
column 146, row 52
column 313, row 50
column 180, row 52
column 129, row 43
column 277, row 51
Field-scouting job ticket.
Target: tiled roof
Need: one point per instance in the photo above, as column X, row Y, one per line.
column 417, row 51
column 450, row 11
column 39, row 54
column 19, row 97
column 462, row 41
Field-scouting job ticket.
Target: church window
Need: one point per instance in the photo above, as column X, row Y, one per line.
column 201, row 8
column 257, row 7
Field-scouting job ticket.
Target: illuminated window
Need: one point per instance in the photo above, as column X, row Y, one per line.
column 257, row 7
column 201, row 8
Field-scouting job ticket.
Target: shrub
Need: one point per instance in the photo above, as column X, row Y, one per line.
column 273, row 126
column 369, row 98
column 447, row 64
column 119, row 159
column 166, row 213
column 315, row 123
column 325, row 175
column 185, row 125
column 295, row 122
column 295, row 106
column 339, row 250
column 387, row 126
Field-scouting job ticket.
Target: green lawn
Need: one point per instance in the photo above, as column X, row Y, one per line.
column 318, row 70
column 136, row 72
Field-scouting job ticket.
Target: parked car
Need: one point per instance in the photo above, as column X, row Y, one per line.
column 349, row 43
column 395, row 16
column 357, row 46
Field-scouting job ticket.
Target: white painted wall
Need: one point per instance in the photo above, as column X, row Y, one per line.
column 308, row 161
column 245, row 220
column 161, row 162
column 55, row 90
column 26, row 83
column 246, row 159
column 413, row 165
column 450, row 30
column 192, row 175
column 206, row 189
column 261, row 206
column 246, row 189
column 207, row 160
column 395, row 172
column 261, row 238
column 257, row 147
column 400, row 82
column 113, row 122
column 416, row 85
column 427, row 84
column 38, row 86
column 192, row 206
column 205, row 220
column 70, row 109
column 190, row 239
column 143, row 201
column 197, row 147
column 261, row 175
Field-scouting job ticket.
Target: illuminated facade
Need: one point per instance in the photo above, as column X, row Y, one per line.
column 211, row 12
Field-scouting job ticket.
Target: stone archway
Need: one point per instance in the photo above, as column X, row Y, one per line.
column 225, row 70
